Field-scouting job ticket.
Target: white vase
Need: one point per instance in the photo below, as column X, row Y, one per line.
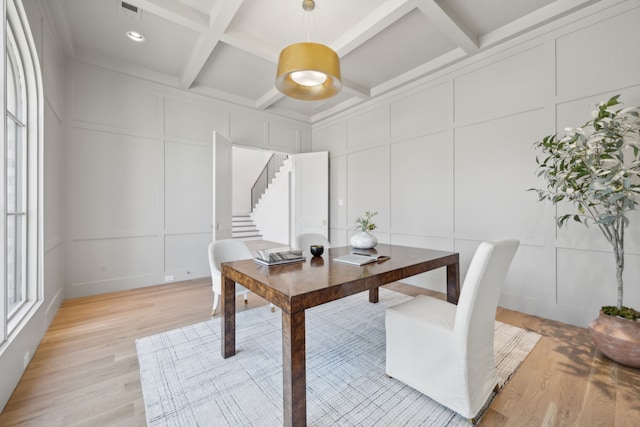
column 364, row 240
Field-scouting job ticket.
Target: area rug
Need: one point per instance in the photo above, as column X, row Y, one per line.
column 186, row 382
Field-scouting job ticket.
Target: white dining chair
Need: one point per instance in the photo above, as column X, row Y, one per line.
column 446, row 351
column 225, row 251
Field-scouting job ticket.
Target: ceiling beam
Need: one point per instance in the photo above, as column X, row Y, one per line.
column 251, row 45
column 444, row 17
column 269, row 98
column 537, row 18
column 175, row 12
column 378, row 20
column 221, row 16
column 355, row 89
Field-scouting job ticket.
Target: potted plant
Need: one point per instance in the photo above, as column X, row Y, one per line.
column 596, row 168
column 364, row 239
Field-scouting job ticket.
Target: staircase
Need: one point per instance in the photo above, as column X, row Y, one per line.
column 242, row 227
column 270, row 171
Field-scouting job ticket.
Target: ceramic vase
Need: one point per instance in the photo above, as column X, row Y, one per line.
column 364, row 240
column 616, row 338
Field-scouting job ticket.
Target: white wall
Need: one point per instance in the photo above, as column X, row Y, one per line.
column 139, row 177
column 12, row 354
column 447, row 161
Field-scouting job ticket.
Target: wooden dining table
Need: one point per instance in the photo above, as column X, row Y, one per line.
column 298, row 286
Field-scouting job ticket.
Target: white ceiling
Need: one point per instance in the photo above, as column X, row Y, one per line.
column 228, row 49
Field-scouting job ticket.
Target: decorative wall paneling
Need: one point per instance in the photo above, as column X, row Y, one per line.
column 447, row 161
column 141, row 180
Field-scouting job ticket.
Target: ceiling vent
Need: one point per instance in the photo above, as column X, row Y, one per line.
column 129, row 10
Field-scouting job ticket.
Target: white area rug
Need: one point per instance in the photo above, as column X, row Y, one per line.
column 186, row 382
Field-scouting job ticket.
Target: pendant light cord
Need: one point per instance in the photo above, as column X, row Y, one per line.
column 308, row 6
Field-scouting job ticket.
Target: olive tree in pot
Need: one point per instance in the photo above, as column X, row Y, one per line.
column 596, row 168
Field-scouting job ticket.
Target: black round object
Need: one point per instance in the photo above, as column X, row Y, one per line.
column 316, row 250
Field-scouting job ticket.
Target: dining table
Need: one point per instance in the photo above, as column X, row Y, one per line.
column 298, row 286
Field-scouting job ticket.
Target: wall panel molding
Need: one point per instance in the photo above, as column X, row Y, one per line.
column 503, row 101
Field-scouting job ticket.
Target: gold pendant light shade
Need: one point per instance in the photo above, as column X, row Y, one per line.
column 308, row 71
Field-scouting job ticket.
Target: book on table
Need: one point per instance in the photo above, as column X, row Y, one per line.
column 278, row 256
column 358, row 257
column 285, row 261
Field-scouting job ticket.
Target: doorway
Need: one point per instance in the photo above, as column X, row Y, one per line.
column 299, row 195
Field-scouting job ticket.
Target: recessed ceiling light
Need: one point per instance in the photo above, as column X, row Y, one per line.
column 135, row 36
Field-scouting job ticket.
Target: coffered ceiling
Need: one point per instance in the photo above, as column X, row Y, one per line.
column 228, row 49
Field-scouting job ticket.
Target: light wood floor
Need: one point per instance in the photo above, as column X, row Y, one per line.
column 85, row 371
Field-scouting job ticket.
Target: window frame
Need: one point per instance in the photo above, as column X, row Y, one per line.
column 14, row 60
column 17, row 35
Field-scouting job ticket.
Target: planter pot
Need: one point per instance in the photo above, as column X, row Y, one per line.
column 364, row 240
column 617, row 338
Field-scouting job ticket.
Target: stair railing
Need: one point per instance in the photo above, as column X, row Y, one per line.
column 266, row 176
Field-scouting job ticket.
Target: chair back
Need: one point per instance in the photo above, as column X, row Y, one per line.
column 476, row 311
column 304, row 241
column 225, row 251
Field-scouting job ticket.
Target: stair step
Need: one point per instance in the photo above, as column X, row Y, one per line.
column 246, row 233
column 255, row 234
column 247, row 225
column 245, row 230
column 247, row 238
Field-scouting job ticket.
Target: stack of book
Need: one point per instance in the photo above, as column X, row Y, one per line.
column 277, row 256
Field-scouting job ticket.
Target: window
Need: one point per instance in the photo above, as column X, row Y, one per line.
column 15, row 168
column 21, row 175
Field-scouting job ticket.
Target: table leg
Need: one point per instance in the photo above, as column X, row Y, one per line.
column 294, row 369
column 228, row 323
column 373, row 294
column 453, row 282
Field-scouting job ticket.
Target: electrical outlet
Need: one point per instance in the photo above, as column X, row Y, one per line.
column 27, row 358
column 168, row 278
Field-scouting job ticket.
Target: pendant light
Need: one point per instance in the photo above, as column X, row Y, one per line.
column 308, row 71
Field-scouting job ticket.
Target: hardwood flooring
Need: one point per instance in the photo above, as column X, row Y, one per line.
column 85, row 371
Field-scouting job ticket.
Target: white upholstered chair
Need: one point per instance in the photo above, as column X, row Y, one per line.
column 446, row 351
column 224, row 251
column 304, row 241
